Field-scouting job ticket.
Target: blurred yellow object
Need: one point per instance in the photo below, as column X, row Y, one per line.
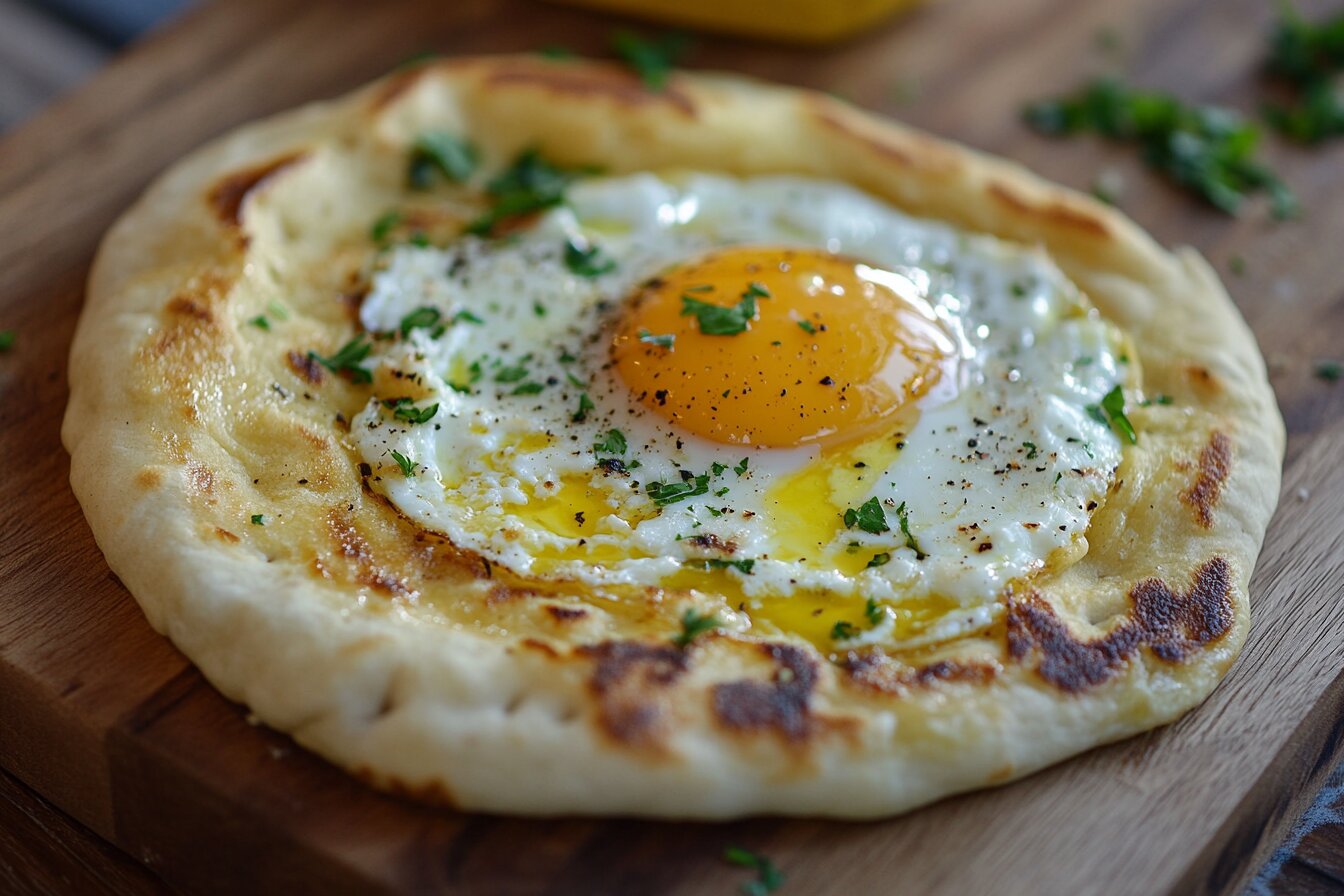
column 805, row 21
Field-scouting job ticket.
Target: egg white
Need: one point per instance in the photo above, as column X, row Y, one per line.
column 1002, row 469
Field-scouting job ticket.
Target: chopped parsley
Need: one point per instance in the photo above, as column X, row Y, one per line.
column 613, row 442
column 910, row 541
column 664, row 493
column 741, row 468
column 528, row 388
column 717, row 320
column 260, row 322
column 1114, row 406
column 511, row 374
column 407, row 465
column 843, row 631
column 872, row 609
column 663, row 341
column 807, row 326
column 587, row 261
column 870, row 517
column 585, row 405
column 538, row 309
column 742, row 566
column 405, row 409
column 1330, row 371
column 347, row 358
column 421, row 318
column 1031, row 450
column 881, row 558
column 530, row 184
column 756, row 291
column 1205, row 149
column 717, row 468
column 386, row 223
column 693, row 625
column 1306, row 56
column 258, row 519
column 466, row 317
column 652, row 59
column 768, row 877
column 444, row 153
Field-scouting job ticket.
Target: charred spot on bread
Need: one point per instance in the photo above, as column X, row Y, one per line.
column 1211, row 471
column 1171, row 624
column 781, row 705
column 628, row 680
column 228, row 197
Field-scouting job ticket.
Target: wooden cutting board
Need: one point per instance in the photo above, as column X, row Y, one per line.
column 106, row 720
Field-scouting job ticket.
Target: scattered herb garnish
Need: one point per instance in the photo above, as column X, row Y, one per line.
column 1206, row 149
column 1307, row 56
column 439, row 151
column 585, row 405
column 530, row 184
column 717, row 320
column 405, row 409
column 1031, row 450
column 1114, row 406
column 741, row 468
column 260, row 322
column 258, row 519
column 693, row 625
column 1330, row 371
column 664, row 493
column 873, row 610
column 407, row 465
column 870, row 517
column 538, row 309
column 843, row 631
column 807, row 326
column 347, row 358
column 882, row 558
column 386, row 223
column 662, row 341
column 910, row 542
column 466, row 317
column 587, row 261
column 511, row 374
column 768, row 877
column 651, row 59
column 717, row 468
column 613, row 442
column 277, row 310
column 742, row 566
column 421, row 318
column 528, row 388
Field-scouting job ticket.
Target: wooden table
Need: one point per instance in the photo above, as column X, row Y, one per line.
column 106, row 732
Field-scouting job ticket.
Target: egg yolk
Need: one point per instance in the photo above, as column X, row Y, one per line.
column 776, row 347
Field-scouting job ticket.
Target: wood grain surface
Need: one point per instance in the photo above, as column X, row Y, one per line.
column 107, row 722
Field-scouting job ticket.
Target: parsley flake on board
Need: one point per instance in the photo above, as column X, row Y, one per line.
column 910, row 541
column 587, row 261
column 768, row 877
column 664, row 493
column 664, row 341
column 613, row 442
column 407, row 465
column 718, row 320
column 347, row 358
column 870, row 517
column 653, row 58
column 529, row 184
column 1114, row 406
column 1205, row 149
column 1330, row 371
column 1306, row 56
column 441, row 152
column 693, row 625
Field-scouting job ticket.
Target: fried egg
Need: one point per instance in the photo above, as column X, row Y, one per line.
column 776, row 389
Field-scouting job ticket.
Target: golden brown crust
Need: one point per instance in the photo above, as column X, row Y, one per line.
column 430, row 670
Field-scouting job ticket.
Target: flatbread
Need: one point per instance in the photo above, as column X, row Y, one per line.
column 422, row 669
